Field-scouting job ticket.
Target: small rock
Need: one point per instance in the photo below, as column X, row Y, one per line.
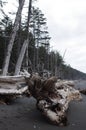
column 34, row 126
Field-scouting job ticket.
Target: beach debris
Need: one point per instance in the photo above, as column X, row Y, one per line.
column 34, row 126
column 12, row 87
column 53, row 97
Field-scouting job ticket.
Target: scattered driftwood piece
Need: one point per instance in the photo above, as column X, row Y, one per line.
column 53, row 97
column 13, row 86
column 8, row 93
column 16, row 91
column 12, row 79
column 16, row 78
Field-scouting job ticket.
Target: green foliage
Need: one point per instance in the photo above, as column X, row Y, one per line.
column 43, row 54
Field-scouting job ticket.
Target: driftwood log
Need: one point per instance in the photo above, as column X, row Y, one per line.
column 53, row 97
column 12, row 87
column 12, row 84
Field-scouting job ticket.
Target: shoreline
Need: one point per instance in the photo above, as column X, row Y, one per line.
column 23, row 115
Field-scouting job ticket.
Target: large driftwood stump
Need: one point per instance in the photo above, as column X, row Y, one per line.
column 53, row 97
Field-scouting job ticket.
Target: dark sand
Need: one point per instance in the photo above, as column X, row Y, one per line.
column 23, row 115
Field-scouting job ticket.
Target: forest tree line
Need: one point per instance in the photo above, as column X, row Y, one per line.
column 39, row 55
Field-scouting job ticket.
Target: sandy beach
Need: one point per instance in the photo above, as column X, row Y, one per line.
column 22, row 114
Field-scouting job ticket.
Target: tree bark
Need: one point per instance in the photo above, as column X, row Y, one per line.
column 25, row 46
column 11, row 79
column 10, row 45
column 28, row 23
column 20, row 58
column 19, row 36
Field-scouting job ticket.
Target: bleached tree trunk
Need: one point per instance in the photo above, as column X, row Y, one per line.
column 19, row 35
column 11, row 42
column 28, row 23
column 20, row 58
column 24, row 46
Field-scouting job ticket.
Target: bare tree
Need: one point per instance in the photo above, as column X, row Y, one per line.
column 20, row 58
column 11, row 42
column 28, row 24
column 25, row 45
column 19, row 34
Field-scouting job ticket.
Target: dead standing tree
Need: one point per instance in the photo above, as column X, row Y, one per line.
column 25, row 45
column 11, row 42
column 28, row 32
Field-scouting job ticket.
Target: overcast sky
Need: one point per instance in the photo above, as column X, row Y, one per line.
column 66, row 20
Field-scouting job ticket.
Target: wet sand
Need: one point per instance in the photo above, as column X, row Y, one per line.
column 23, row 115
